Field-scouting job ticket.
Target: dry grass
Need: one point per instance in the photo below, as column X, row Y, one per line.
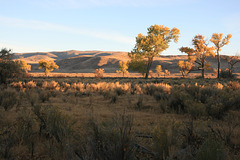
column 85, row 100
column 130, row 75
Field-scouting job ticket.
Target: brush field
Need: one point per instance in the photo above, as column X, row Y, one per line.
column 120, row 118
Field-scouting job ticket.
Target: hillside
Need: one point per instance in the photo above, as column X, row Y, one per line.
column 87, row 61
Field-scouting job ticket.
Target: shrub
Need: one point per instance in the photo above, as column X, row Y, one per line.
column 226, row 74
column 57, row 131
column 194, row 91
column 178, row 101
column 137, row 89
column 159, row 87
column 196, row 109
column 52, row 85
column 8, row 98
column 30, row 84
column 139, row 104
column 158, row 96
column 44, row 95
column 99, row 73
column 33, row 96
column 113, row 140
column 17, row 85
column 234, row 85
column 211, row 150
column 218, row 86
column 207, row 92
column 114, row 97
column 161, row 143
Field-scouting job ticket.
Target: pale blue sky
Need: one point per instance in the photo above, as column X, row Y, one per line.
column 112, row 25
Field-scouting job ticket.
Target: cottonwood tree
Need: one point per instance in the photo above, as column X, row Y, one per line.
column 218, row 40
column 6, row 54
column 166, row 73
column 147, row 47
column 185, row 67
column 24, row 65
column 199, row 53
column 159, row 70
column 48, row 66
column 8, row 67
column 123, row 68
column 138, row 64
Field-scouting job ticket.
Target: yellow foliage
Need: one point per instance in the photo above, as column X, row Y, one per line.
column 99, row 73
column 199, row 53
column 123, row 66
column 23, row 64
column 185, row 67
column 159, row 70
column 156, row 41
column 48, row 66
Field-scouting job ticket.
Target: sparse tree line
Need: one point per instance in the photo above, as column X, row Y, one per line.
column 146, row 48
column 158, row 39
column 10, row 68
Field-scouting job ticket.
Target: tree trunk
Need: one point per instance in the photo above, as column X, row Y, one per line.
column 203, row 70
column 218, row 56
column 150, row 60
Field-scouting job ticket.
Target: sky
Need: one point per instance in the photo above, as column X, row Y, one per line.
column 112, row 25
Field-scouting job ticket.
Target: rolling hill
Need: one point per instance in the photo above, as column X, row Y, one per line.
column 87, row 61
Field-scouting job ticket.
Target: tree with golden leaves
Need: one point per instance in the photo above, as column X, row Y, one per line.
column 166, row 73
column 23, row 65
column 199, row 53
column 123, row 68
column 157, row 40
column 159, row 70
column 185, row 67
column 219, row 43
column 48, row 66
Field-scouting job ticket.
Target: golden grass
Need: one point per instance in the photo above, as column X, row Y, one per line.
column 116, row 75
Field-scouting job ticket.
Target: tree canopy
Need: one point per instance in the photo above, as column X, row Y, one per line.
column 199, row 53
column 147, row 47
column 8, row 67
column 23, row 64
column 219, row 43
column 48, row 66
column 185, row 67
column 123, row 66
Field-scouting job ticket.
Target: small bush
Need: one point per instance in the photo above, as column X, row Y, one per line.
column 33, row 96
column 196, row 109
column 8, row 98
column 178, row 101
column 161, row 143
column 44, row 95
column 113, row 140
column 99, row 73
column 234, row 85
column 114, row 97
column 207, row 92
column 139, row 104
column 226, row 74
column 18, row 85
column 211, row 150
column 30, row 85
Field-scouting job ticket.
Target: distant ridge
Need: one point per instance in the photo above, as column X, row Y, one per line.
column 74, row 61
